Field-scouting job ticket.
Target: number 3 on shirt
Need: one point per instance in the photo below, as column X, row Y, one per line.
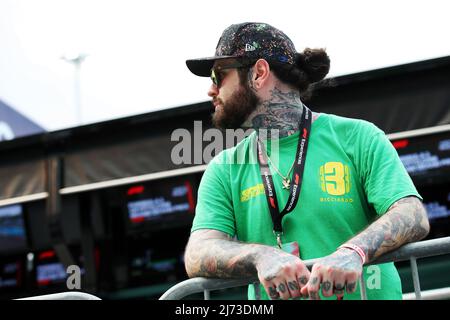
column 335, row 178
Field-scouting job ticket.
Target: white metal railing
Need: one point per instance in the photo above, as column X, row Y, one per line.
column 411, row 252
column 70, row 295
column 435, row 294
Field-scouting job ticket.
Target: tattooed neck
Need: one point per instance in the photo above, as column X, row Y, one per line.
column 282, row 111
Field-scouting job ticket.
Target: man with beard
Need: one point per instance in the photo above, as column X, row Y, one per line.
column 337, row 192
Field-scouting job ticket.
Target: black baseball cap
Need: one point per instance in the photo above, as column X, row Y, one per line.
column 250, row 41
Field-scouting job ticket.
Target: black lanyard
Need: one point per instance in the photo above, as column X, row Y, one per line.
column 299, row 166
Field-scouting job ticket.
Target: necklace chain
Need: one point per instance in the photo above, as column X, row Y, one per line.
column 285, row 180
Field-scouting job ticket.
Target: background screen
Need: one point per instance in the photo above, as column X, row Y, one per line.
column 12, row 229
column 157, row 201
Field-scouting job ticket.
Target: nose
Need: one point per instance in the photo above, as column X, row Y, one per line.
column 213, row 91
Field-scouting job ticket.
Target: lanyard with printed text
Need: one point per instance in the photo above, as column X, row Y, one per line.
column 299, row 166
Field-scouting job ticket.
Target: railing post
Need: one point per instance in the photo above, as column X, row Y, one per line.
column 257, row 290
column 362, row 286
column 415, row 276
column 207, row 294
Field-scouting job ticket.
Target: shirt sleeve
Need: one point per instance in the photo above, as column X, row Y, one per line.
column 214, row 208
column 384, row 176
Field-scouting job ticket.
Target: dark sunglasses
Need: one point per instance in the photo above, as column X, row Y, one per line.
column 217, row 75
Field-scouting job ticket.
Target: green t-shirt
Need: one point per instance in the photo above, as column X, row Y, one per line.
column 352, row 175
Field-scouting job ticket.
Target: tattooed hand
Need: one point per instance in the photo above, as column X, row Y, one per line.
column 211, row 253
column 283, row 275
column 334, row 274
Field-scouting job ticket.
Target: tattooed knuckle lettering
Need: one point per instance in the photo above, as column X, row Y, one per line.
column 273, row 294
column 351, row 287
column 303, row 280
column 339, row 288
column 293, row 285
column 326, row 286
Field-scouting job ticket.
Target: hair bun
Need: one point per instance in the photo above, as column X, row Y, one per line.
column 315, row 63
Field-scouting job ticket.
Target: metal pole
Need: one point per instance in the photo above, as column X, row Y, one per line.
column 77, row 61
column 362, row 286
column 207, row 294
column 257, row 290
column 415, row 276
column 78, row 106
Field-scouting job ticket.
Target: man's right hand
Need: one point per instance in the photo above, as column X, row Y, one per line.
column 283, row 275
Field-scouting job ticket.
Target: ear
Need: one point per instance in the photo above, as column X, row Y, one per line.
column 261, row 73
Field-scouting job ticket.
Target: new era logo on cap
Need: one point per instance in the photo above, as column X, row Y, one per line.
column 249, row 47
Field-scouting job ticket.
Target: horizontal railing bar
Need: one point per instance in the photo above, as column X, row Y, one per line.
column 421, row 249
column 64, row 296
column 434, row 294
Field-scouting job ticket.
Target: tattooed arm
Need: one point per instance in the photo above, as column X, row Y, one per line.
column 405, row 221
column 211, row 253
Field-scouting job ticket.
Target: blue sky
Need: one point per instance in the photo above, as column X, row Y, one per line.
column 137, row 49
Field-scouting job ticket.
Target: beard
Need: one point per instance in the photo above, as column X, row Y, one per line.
column 233, row 113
